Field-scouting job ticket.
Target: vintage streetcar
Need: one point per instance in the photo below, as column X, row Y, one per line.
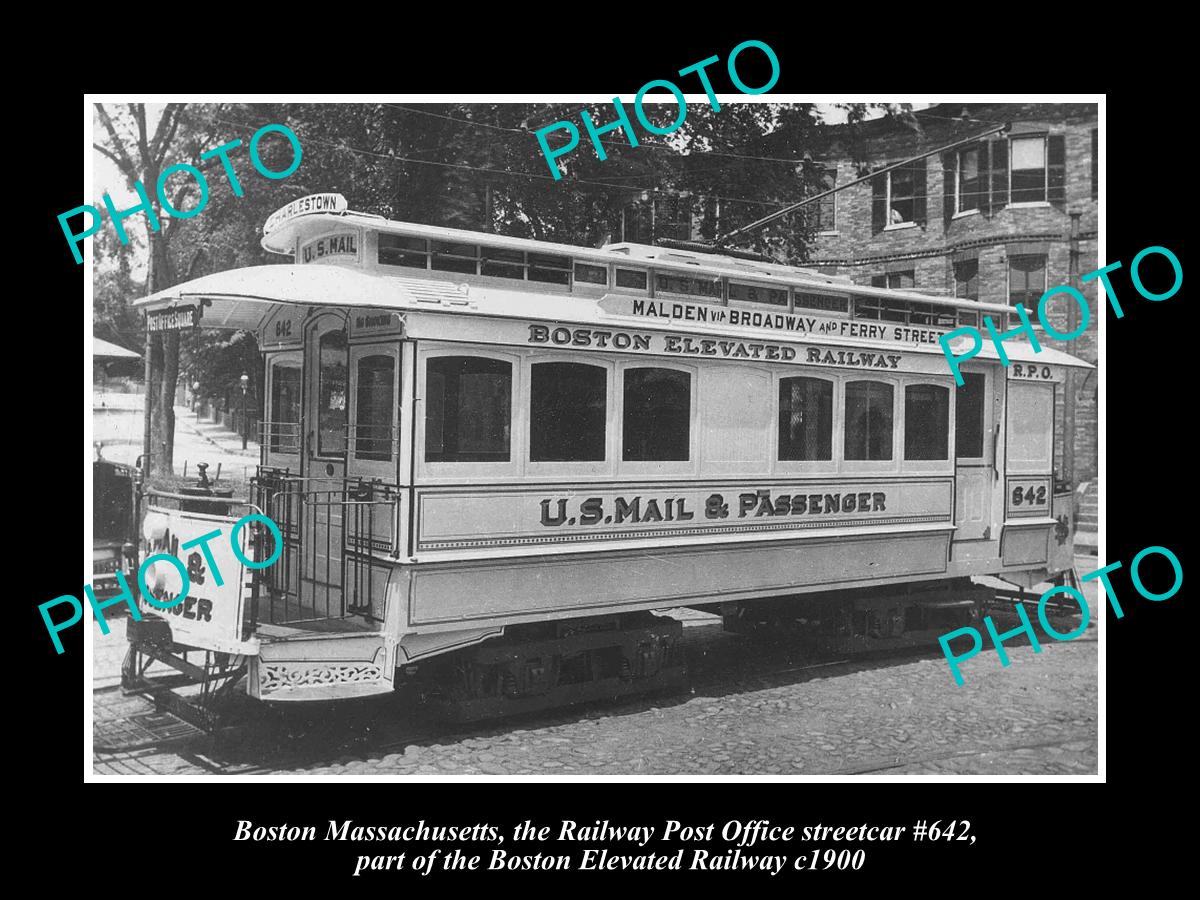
column 491, row 459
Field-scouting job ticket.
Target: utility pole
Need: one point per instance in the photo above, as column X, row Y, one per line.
column 1069, row 386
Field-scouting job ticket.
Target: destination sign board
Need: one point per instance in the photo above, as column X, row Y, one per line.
column 769, row 321
column 331, row 247
column 176, row 319
column 305, row 206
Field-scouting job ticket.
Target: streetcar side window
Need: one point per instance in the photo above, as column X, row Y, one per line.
column 400, row 250
column 699, row 287
column 586, row 273
column 969, row 410
column 805, row 419
column 283, row 429
column 868, row 428
column 550, row 269
column 735, row 419
column 657, row 415
column 822, row 302
column 758, row 293
column 468, row 409
column 331, row 394
column 451, row 257
column 568, row 412
column 375, row 408
column 926, row 422
column 631, row 278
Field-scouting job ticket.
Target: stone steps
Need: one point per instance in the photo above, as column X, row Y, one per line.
column 1089, row 509
column 1088, row 521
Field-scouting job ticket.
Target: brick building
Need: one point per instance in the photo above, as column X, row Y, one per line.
column 997, row 220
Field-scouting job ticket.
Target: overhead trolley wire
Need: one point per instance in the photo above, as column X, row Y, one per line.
column 427, row 162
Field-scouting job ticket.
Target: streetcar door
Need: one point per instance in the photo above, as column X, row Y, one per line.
column 326, row 352
column 977, row 420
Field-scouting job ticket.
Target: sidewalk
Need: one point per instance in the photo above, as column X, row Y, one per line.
column 215, row 433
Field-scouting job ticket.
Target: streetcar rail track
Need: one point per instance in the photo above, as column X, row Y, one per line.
column 959, row 754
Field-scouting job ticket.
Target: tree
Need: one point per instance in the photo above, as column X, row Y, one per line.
column 112, row 318
column 141, row 158
column 476, row 166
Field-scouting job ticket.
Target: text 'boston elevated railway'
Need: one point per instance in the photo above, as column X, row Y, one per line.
column 492, row 457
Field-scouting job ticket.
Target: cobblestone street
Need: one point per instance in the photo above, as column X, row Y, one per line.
column 752, row 709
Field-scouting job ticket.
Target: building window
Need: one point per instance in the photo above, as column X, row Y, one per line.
column 331, row 394
column 898, row 197
column 896, row 281
column 374, row 408
column 926, row 422
column 284, row 434
column 868, row 420
column 966, row 279
column 901, row 198
column 468, row 405
column 968, row 416
column 657, row 415
column 1028, row 169
column 971, row 181
column 826, row 209
column 1026, row 280
column 567, row 412
column 805, row 419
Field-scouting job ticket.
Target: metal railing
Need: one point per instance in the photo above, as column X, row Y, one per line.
column 362, row 441
column 337, row 535
column 279, row 437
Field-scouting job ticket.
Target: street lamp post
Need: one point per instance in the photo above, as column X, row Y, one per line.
column 245, row 380
column 196, row 400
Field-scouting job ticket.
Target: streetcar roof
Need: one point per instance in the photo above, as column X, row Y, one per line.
column 284, row 238
column 243, row 298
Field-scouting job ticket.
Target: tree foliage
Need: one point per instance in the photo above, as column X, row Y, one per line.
column 476, row 166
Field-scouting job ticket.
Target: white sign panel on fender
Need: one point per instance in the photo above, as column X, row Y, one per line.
column 211, row 616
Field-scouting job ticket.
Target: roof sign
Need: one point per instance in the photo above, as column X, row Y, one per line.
column 313, row 203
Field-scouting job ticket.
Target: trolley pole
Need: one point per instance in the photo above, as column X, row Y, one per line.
column 724, row 239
